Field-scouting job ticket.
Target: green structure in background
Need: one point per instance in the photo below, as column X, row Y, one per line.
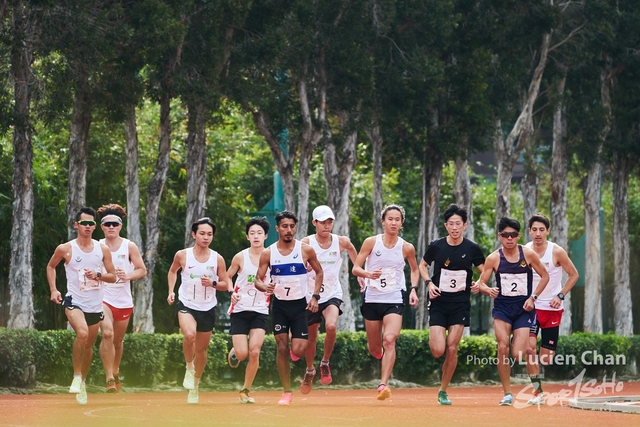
column 273, row 206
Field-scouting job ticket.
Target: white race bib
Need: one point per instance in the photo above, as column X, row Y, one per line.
column 453, row 280
column 198, row 293
column 386, row 282
column 513, row 285
column 87, row 284
column 327, row 287
column 288, row 288
column 251, row 297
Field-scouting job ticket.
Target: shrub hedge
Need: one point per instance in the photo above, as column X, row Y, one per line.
column 27, row 356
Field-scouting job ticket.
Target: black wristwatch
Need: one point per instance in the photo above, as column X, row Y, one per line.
column 414, row 288
column 98, row 274
column 561, row 296
column 316, row 296
column 214, row 283
column 426, row 282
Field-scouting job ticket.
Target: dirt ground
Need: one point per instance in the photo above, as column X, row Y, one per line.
column 472, row 406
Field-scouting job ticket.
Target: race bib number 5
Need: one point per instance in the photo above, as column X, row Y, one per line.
column 386, row 282
column 453, row 280
column 513, row 285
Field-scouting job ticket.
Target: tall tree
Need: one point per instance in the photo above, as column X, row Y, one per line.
column 20, row 272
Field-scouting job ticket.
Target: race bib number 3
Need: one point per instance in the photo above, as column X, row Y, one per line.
column 386, row 282
column 513, row 285
column 87, row 284
column 453, row 280
column 288, row 288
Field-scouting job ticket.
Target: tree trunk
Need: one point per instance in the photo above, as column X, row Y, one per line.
column 623, row 316
column 559, row 173
column 283, row 158
column 131, row 178
column 78, row 149
column 373, row 133
column 143, row 314
column 429, row 217
column 21, row 313
column 593, row 277
column 509, row 149
column 462, row 193
column 196, row 168
column 529, row 188
column 338, row 170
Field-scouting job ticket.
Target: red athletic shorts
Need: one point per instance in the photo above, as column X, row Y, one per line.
column 549, row 318
column 119, row 314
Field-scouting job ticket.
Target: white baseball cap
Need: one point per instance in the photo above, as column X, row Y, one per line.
column 322, row 213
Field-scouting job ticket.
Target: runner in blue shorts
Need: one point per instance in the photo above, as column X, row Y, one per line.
column 513, row 296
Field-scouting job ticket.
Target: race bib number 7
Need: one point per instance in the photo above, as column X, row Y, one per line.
column 288, row 288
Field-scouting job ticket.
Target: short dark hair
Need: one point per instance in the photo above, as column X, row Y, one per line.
column 392, row 207
column 86, row 210
column 205, row 220
column 286, row 214
column 454, row 209
column 538, row 217
column 258, row 220
column 508, row 222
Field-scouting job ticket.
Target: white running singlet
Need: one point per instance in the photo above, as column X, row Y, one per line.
column 555, row 280
column 388, row 288
column 86, row 293
column 118, row 294
column 331, row 262
column 251, row 299
column 191, row 293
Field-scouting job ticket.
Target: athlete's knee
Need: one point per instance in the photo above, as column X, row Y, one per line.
column 82, row 336
column 389, row 340
column 107, row 335
column 330, row 328
column 189, row 336
column 254, row 354
column 452, row 350
column 503, row 348
column 437, row 349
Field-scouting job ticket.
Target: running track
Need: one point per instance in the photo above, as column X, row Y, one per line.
column 475, row 406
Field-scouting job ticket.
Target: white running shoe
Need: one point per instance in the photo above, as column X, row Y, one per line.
column 81, row 397
column 75, row 385
column 538, row 399
column 189, row 380
column 193, row 396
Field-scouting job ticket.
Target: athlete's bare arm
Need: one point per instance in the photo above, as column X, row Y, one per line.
column 490, row 265
column 223, row 277
column 534, row 261
column 310, row 257
column 409, row 252
column 107, row 262
column 62, row 252
column 172, row 275
column 265, row 261
column 140, row 270
column 358, row 270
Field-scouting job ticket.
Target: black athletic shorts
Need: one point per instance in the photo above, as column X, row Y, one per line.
column 313, row 318
column 205, row 320
column 377, row 310
column 450, row 313
column 90, row 318
column 245, row 321
column 290, row 316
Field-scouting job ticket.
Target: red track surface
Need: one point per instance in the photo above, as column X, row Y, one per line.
column 472, row 406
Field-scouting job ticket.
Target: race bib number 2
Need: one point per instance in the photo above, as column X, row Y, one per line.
column 513, row 285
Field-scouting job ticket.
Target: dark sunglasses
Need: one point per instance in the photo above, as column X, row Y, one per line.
column 111, row 224
column 87, row 222
column 512, row 234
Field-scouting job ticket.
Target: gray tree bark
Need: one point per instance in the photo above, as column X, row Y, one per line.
column 592, row 321
column 529, row 188
column 559, row 173
column 21, row 314
column 338, row 169
column 131, row 178
column 509, row 149
column 196, row 168
column 462, row 193
column 78, row 149
column 373, row 133
column 143, row 314
column 623, row 315
column 428, row 230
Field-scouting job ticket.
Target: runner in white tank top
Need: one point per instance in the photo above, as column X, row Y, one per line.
column 203, row 272
column 287, row 259
column 118, row 303
column 87, row 265
column 550, row 303
column 249, row 308
column 382, row 303
column 328, row 248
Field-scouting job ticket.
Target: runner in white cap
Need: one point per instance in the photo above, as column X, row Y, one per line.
column 328, row 248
